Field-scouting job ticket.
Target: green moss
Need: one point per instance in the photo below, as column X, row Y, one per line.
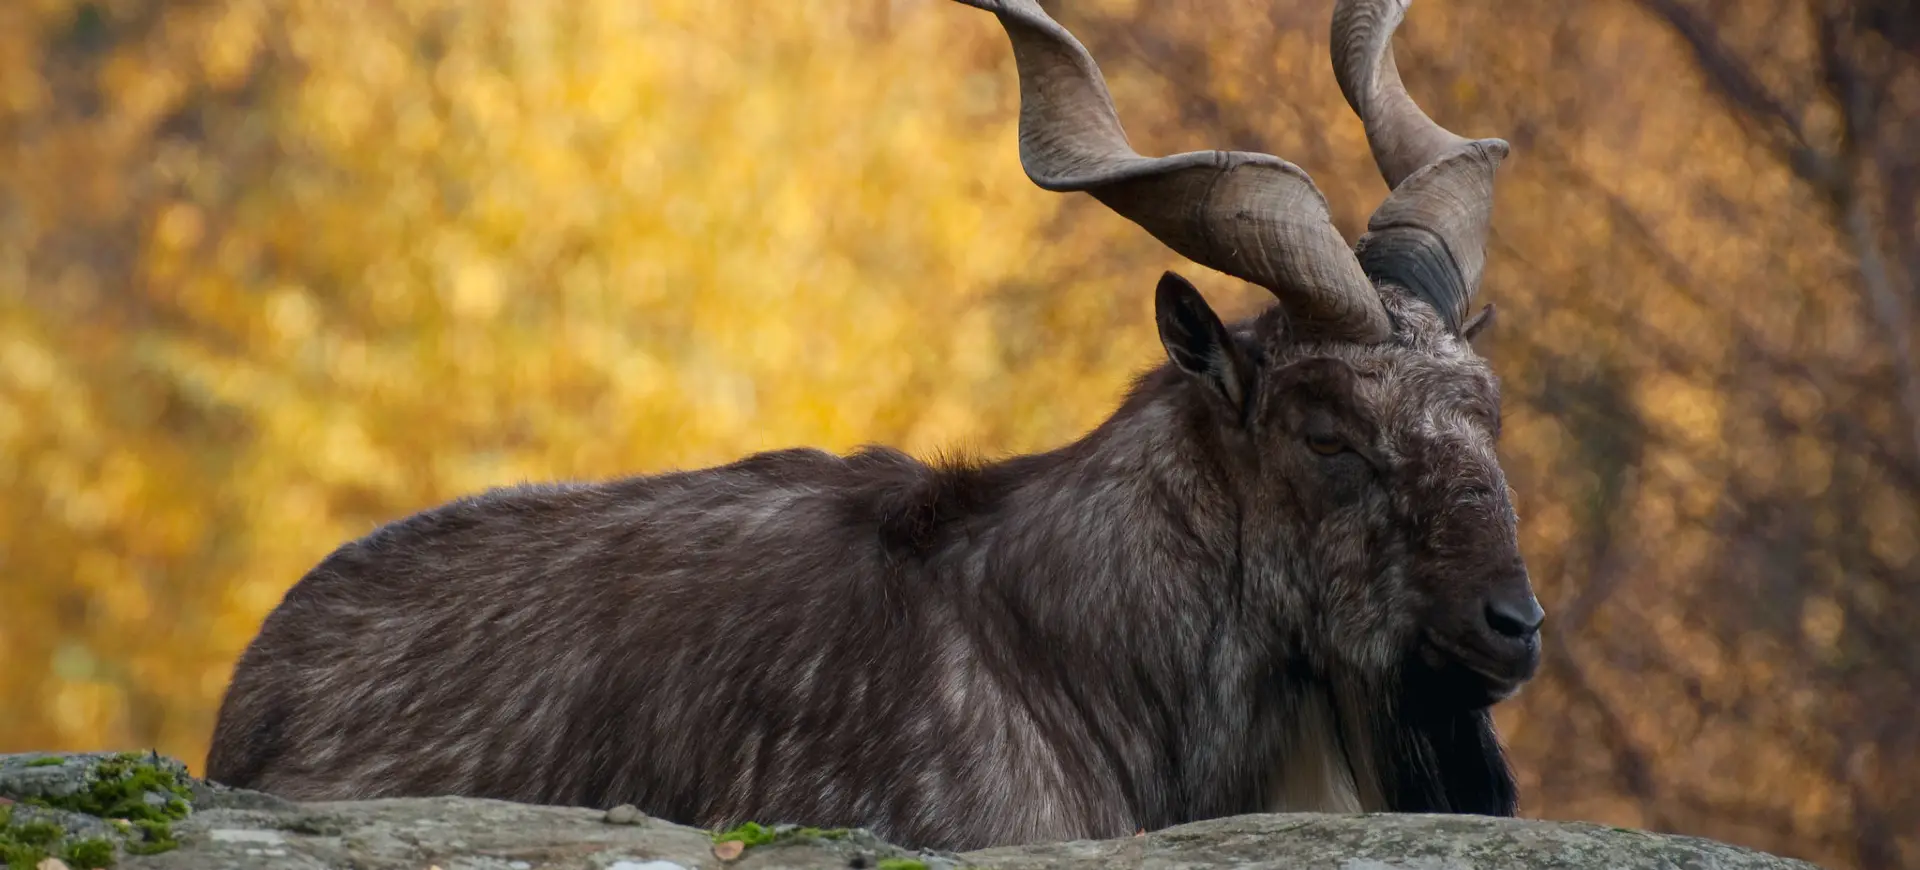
column 49, row 761
column 117, row 791
column 119, row 788
column 747, row 834
column 25, row 845
column 751, row 834
column 37, row 833
column 16, row 850
column 155, row 837
column 902, row 864
column 91, row 853
column 21, row 857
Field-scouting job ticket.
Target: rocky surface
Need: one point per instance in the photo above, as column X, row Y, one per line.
column 223, row 829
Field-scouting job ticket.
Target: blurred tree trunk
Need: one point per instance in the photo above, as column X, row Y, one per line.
column 1844, row 113
column 1846, row 117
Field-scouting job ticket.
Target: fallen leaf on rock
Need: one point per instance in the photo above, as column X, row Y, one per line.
column 728, row 850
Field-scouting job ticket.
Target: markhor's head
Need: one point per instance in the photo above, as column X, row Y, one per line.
column 1360, row 424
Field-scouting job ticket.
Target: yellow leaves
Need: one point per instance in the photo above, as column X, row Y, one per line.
column 1890, row 518
column 343, row 454
column 477, row 291
column 1811, row 461
column 337, row 114
column 179, row 227
column 1466, row 89
column 21, row 89
column 87, row 712
column 232, row 43
column 291, row 314
column 29, row 365
column 140, row 92
column 1687, row 410
column 1118, row 8
column 1821, row 621
column 116, row 591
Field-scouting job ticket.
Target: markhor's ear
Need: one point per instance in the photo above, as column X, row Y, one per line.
column 1195, row 339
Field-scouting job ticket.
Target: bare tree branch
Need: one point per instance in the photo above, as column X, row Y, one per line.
column 1731, row 77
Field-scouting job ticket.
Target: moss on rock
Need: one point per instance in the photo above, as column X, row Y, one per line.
column 25, row 843
column 127, row 786
column 135, row 797
column 752, row 834
column 749, row 834
column 854, row 847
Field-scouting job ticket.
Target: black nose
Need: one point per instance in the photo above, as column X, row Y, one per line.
column 1517, row 618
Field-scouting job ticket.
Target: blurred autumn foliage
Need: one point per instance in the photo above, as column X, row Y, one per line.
column 275, row 271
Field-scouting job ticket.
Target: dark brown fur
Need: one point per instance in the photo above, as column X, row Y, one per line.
column 1188, row 613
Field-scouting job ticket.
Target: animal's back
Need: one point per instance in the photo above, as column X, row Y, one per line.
column 578, row 644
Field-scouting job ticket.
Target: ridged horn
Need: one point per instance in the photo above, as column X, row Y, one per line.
column 1253, row 216
column 1430, row 234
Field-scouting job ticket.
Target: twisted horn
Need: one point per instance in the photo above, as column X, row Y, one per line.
column 1430, row 234
column 1253, row 216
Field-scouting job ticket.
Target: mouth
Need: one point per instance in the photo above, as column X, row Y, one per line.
column 1475, row 677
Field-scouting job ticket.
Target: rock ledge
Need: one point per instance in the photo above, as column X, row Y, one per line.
column 230, row 829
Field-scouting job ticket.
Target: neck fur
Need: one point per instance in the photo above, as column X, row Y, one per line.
column 1129, row 548
column 1326, row 761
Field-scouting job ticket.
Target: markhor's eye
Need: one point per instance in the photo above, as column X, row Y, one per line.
column 1325, row 445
